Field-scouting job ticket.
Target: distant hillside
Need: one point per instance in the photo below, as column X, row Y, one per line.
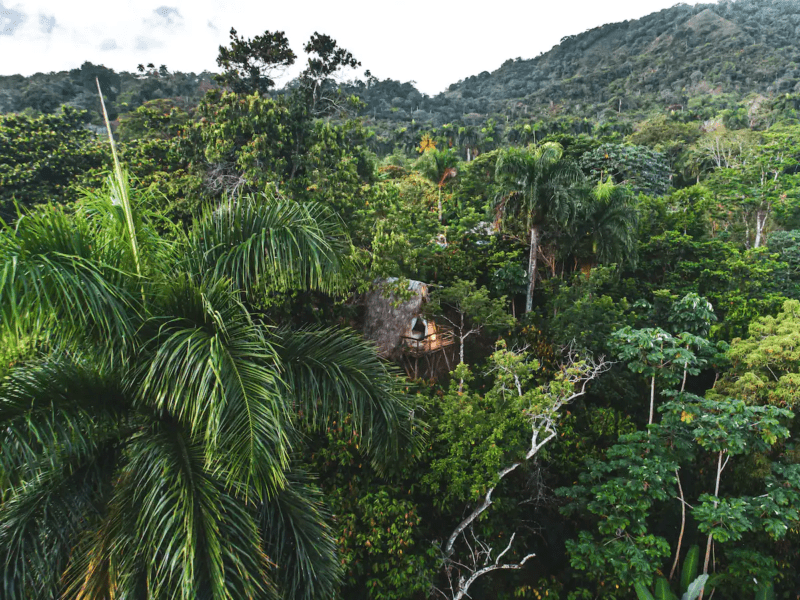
column 698, row 60
column 46, row 92
column 663, row 59
column 678, row 58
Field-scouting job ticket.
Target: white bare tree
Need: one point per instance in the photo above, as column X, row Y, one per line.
column 570, row 383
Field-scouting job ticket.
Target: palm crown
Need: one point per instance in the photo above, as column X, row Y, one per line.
column 537, row 187
column 148, row 439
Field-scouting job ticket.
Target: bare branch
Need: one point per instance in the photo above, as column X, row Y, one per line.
column 487, row 502
column 572, row 382
column 511, row 541
column 465, row 584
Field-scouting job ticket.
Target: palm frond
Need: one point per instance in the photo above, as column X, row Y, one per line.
column 536, row 183
column 272, row 244
column 299, row 540
column 212, row 368
column 195, row 539
column 49, row 270
column 46, row 516
column 334, row 372
column 120, row 188
column 55, row 411
column 116, row 229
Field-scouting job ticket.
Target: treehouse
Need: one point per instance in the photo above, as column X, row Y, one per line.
column 426, row 336
column 396, row 323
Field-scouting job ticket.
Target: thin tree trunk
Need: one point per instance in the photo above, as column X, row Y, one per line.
column 440, row 204
column 720, row 466
column 461, row 338
column 534, row 252
column 761, row 222
column 652, row 398
column 683, row 526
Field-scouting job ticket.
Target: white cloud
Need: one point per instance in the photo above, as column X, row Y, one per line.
column 46, row 24
column 11, row 20
column 167, row 17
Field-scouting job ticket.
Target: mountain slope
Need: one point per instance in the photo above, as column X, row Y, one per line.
column 664, row 58
column 707, row 58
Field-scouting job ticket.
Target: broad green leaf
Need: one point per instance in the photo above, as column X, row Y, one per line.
column 642, row 592
column 695, row 588
column 689, row 570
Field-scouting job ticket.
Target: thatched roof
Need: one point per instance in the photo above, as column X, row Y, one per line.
column 388, row 318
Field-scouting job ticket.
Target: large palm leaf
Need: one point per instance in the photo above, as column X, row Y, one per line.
column 271, row 244
column 151, row 459
column 52, row 269
column 212, row 368
column 62, row 423
column 610, row 219
column 334, row 372
column 536, row 184
column 299, row 539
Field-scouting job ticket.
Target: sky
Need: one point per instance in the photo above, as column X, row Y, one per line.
column 431, row 43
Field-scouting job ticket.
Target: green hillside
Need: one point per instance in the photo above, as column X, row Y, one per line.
column 666, row 58
column 701, row 58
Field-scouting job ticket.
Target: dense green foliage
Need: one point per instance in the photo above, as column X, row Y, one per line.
column 189, row 408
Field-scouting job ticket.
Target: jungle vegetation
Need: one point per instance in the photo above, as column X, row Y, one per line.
column 189, row 407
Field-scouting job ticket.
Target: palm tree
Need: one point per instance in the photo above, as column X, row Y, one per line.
column 438, row 166
column 539, row 186
column 148, row 441
column 468, row 138
column 604, row 228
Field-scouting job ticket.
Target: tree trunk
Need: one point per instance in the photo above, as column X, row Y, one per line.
column 534, row 253
column 720, row 467
column 461, row 338
column 761, row 222
column 683, row 526
column 440, row 204
column 652, row 398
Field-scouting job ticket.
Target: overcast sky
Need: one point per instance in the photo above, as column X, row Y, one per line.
column 431, row 42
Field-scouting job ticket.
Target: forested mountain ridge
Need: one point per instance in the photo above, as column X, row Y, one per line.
column 44, row 93
column 666, row 57
column 680, row 58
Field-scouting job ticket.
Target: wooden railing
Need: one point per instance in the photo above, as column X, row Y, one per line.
column 442, row 338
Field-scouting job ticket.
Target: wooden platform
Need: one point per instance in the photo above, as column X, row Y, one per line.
column 433, row 348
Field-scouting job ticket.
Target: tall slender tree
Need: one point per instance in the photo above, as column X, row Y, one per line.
column 539, row 187
column 439, row 166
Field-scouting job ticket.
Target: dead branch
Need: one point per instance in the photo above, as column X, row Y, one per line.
column 574, row 377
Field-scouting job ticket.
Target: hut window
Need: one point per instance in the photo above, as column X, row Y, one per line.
column 418, row 328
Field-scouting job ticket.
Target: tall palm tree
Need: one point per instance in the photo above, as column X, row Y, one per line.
column 467, row 138
column 439, row 166
column 539, row 186
column 148, row 441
